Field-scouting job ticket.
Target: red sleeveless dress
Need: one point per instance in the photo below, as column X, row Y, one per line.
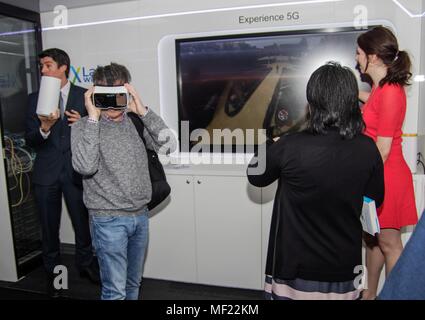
column 384, row 114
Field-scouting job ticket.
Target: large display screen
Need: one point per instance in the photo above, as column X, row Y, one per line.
column 255, row 81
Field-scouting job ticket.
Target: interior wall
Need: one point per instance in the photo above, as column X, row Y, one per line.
column 49, row 5
column 33, row 5
column 8, row 270
column 134, row 43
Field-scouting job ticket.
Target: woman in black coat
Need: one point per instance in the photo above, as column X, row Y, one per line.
column 324, row 171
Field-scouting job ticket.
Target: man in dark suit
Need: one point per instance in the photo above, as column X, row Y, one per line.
column 53, row 175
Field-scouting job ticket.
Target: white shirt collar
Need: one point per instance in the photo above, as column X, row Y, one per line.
column 65, row 89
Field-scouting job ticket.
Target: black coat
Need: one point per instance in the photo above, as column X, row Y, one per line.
column 316, row 233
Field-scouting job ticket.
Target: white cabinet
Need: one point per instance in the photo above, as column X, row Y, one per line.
column 209, row 232
column 172, row 242
column 228, row 232
column 214, row 228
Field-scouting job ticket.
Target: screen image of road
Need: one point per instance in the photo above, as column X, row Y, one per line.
column 256, row 81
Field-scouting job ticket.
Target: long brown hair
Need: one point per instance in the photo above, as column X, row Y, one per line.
column 382, row 42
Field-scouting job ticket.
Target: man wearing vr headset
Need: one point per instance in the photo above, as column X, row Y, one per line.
column 53, row 174
column 109, row 153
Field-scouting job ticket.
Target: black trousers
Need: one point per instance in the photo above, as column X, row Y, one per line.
column 49, row 203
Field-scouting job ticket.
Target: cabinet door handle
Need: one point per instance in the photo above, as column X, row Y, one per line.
column 199, row 182
column 188, row 181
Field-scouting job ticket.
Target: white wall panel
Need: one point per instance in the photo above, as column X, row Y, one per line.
column 135, row 43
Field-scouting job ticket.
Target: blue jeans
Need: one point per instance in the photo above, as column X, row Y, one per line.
column 406, row 280
column 120, row 243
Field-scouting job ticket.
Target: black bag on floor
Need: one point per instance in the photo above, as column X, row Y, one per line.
column 160, row 187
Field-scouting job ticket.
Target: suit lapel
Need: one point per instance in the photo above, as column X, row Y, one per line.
column 71, row 97
column 70, row 104
column 61, row 128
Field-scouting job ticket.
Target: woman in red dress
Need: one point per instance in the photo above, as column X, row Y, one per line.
column 379, row 57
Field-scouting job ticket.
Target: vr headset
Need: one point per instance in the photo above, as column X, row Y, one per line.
column 110, row 97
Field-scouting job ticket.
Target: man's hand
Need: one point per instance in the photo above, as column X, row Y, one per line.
column 94, row 113
column 135, row 105
column 47, row 122
column 73, row 116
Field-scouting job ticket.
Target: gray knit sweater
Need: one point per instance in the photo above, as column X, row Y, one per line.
column 113, row 161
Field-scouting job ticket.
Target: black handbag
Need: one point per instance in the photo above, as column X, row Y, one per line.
column 160, row 187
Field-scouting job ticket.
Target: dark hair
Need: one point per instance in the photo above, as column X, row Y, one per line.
column 108, row 74
column 382, row 42
column 332, row 94
column 59, row 56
